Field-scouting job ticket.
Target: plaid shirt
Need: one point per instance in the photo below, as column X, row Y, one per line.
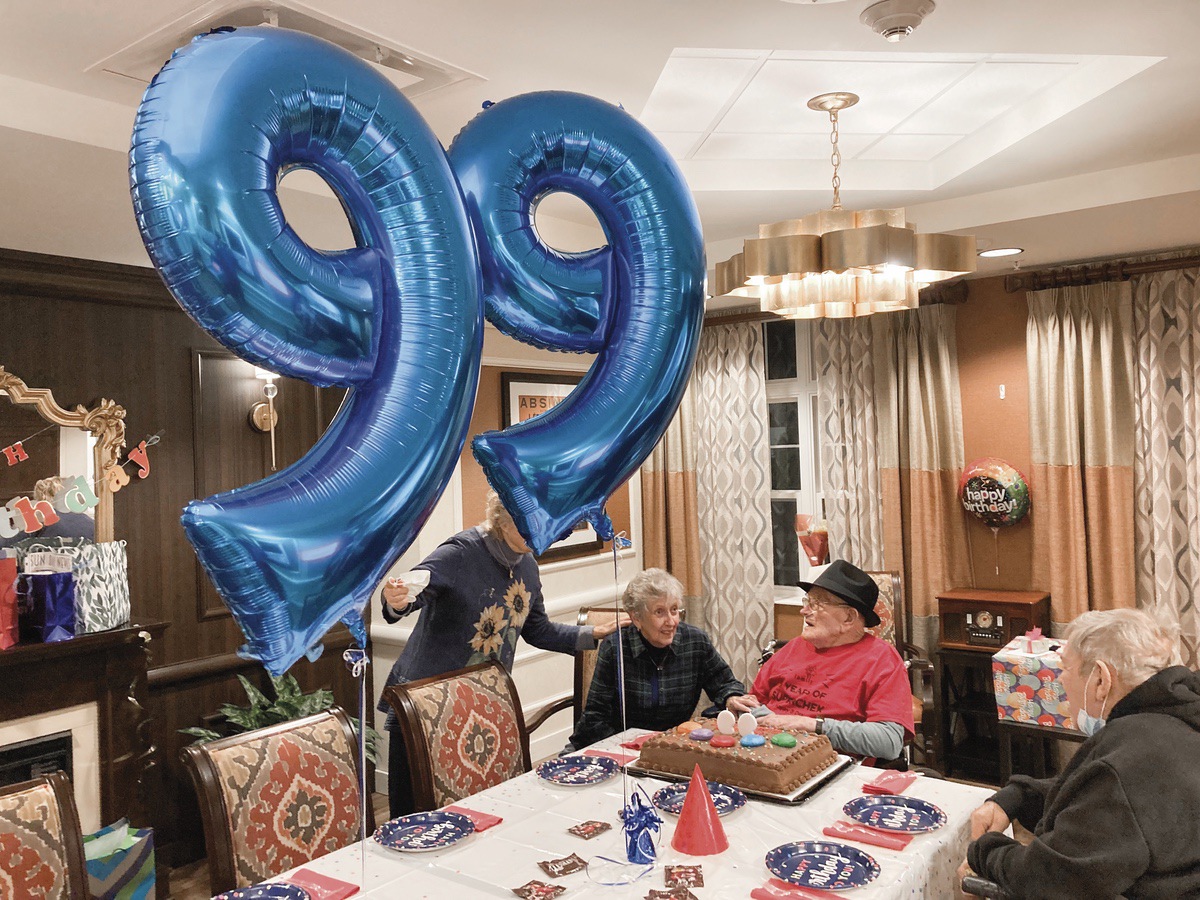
column 656, row 696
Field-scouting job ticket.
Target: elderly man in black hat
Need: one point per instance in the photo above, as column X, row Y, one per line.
column 838, row 680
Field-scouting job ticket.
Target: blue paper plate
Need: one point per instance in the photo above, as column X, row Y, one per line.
column 266, row 892
column 423, row 831
column 578, row 771
column 907, row 815
column 825, row 865
column 726, row 799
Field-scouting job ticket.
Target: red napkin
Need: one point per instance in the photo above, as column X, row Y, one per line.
column 482, row 821
column 322, row 887
column 781, row 890
column 636, row 743
column 865, row 834
column 621, row 758
column 890, row 783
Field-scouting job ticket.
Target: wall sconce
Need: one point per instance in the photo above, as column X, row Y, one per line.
column 262, row 414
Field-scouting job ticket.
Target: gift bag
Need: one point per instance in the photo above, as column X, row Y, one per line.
column 120, row 862
column 45, row 607
column 101, row 587
column 8, row 603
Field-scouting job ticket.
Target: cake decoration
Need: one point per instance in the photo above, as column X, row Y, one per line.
column 726, row 722
column 753, row 740
column 783, row 739
column 722, row 740
column 746, row 724
column 701, row 734
column 687, row 727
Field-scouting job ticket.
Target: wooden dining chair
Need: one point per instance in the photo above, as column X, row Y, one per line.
column 464, row 732
column 276, row 798
column 41, row 845
column 895, row 627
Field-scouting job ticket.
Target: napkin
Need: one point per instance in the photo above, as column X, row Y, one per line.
column 781, row 890
column 321, row 887
column 865, row 834
column 636, row 743
column 482, row 821
column 890, row 783
column 621, row 758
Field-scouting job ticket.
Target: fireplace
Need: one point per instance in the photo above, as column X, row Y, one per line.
column 79, row 728
column 26, row 760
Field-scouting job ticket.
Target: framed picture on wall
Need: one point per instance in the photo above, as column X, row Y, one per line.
column 524, row 395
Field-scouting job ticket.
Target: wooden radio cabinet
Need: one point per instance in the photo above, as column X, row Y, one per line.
column 987, row 620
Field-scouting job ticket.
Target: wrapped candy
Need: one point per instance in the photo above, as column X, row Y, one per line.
column 641, row 828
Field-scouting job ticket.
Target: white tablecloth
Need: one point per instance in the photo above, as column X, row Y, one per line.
column 537, row 815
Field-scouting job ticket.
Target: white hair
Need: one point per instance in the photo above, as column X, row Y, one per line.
column 1129, row 640
column 496, row 515
column 647, row 586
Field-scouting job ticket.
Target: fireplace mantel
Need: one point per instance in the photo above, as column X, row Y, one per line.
column 108, row 669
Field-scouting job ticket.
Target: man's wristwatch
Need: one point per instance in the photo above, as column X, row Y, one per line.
column 820, row 726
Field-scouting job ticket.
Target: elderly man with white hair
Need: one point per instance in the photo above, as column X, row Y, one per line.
column 1123, row 819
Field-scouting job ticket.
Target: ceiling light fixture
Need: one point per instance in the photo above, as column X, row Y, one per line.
column 896, row 19
column 836, row 263
column 1001, row 251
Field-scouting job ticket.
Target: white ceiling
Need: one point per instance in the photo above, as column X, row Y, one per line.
column 1071, row 128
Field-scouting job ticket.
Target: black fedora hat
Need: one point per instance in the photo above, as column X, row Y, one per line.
column 850, row 583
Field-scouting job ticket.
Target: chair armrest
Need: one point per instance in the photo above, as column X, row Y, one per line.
column 534, row 722
column 981, row 887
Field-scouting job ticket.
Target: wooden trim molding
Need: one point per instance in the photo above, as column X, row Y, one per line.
column 40, row 276
column 105, row 420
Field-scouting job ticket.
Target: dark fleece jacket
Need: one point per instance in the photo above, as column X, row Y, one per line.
column 1123, row 819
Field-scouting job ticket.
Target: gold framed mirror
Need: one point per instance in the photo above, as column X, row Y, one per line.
column 104, row 422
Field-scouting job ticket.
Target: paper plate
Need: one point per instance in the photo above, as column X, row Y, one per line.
column 424, row 831
column 578, row 771
column 825, row 865
column 266, row 892
column 726, row 799
column 907, row 815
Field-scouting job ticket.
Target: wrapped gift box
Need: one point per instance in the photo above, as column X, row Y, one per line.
column 1027, row 677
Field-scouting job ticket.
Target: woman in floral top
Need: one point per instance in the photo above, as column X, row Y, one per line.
column 484, row 592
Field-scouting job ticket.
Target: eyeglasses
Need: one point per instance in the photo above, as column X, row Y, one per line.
column 816, row 604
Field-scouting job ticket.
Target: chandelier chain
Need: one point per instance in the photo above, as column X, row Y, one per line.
column 836, row 158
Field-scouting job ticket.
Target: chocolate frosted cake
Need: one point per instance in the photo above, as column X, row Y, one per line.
column 772, row 767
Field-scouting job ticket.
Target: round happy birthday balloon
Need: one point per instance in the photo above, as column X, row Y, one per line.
column 994, row 492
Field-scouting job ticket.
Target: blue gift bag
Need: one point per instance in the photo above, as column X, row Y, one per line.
column 46, row 607
column 120, row 862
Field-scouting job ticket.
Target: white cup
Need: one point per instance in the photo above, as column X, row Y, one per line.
column 416, row 579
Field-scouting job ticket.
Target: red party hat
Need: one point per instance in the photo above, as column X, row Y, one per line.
column 699, row 832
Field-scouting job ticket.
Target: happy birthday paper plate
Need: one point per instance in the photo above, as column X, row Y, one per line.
column 266, row 892
column 908, row 815
column 726, row 799
column 423, row 831
column 825, row 865
column 578, row 771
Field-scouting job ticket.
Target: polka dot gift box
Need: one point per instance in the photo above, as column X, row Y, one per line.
column 1027, row 677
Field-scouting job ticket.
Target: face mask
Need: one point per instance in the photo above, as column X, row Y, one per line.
column 1089, row 725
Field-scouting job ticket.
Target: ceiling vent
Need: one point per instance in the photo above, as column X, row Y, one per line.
column 412, row 72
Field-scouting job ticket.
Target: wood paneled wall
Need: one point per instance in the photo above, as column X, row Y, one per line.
column 89, row 330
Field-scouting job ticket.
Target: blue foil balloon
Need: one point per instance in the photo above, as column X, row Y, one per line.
column 397, row 319
column 638, row 302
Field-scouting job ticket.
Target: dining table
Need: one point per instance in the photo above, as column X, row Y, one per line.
column 537, row 814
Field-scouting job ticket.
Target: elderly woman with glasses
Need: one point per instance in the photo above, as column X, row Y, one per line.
column 667, row 663
column 838, row 680
column 1123, row 818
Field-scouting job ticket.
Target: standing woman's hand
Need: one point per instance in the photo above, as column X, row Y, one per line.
column 600, row 632
column 396, row 595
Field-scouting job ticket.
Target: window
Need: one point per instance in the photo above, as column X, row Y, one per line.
column 792, row 431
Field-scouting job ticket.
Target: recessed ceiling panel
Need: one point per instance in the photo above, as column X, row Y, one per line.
column 780, row 146
column 690, row 92
column 890, row 92
column 908, row 146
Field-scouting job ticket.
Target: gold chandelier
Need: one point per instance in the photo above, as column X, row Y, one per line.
column 838, row 263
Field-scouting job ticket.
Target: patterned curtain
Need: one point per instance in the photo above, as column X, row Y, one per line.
column 891, row 447
column 849, row 440
column 734, row 499
column 920, row 449
column 1079, row 343
column 1166, row 323
column 670, row 522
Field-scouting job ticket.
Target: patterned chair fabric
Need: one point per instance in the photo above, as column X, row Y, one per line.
column 288, row 794
column 885, row 607
column 472, row 729
column 35, row 856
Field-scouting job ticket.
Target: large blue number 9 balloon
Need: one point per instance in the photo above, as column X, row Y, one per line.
column 398, row 319
column 639, row 302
